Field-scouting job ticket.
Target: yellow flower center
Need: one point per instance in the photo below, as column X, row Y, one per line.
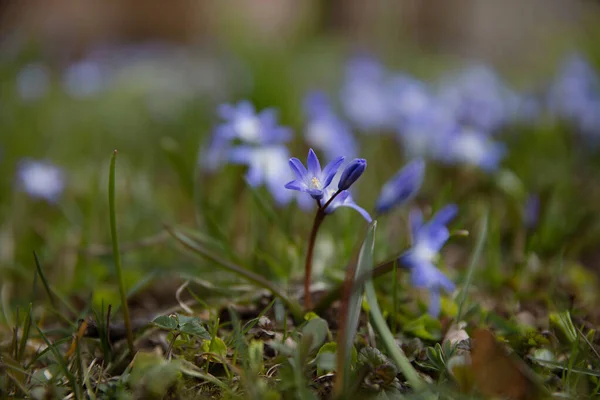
column 315, row 183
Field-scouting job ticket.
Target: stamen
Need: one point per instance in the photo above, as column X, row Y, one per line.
column 315, row 183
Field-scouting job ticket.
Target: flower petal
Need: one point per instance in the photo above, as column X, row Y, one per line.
column 312, row 162
column 360, row 210
column 330, row 171
column 444, row 215
column 296, row 185
column 298, row 168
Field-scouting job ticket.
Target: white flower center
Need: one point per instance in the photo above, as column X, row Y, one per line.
column 470, row 148
column 248, row 129
column 424, row 252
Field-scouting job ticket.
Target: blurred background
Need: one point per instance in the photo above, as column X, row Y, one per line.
column 80, row 78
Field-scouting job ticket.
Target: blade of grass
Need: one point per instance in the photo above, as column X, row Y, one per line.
column 42, row 276
column 258, row 280
column 52, row 294
column 61, row 362
column 388, row 340
column 481, row 238
column 25, row 334
column 350, row 311
column 116, row 255
column 47, row 349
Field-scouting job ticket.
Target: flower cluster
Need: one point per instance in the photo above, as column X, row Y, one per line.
column 256, row 140
column 452, row 124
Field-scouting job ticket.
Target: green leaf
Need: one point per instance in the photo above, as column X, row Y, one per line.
column 152, row 376
column 167, row 322
column 192, row 326
column 563, row 323
column 317, row 328
column 216, row 346
column 256, row 356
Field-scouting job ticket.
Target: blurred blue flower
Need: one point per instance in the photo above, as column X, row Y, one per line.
column 428, row 239
column 364, row 95
column 325, row 130
column 344, row 199
column 85, row 79
column 575, row 95
column 424, row 133
column 267, row 165
column 242, row 122
column 408, row 98
column 313, row 181
column 478, row 98
column 242, row 125
column 352, row 172
column 471, row 147
column 403, row 186
column 41, row 179
column 33, row 81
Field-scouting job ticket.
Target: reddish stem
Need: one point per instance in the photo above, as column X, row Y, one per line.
column 319, row 217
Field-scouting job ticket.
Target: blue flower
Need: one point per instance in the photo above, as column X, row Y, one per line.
column 575, row 95
column 478, row 98
column 314, row 180
column 242, row 126
column 267, row 166
column 428, row 239
column 41, row 179
column 364, row 95
column 325, row 130
column 423, row 133
column 352, row 172
column 408, row 97
column 403, row 186
column 344, row 199
column 243, row 123
column 471, row 147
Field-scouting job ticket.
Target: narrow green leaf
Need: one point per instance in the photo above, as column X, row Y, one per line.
column 350, row 325
column 25, row 334
column 61, row 362
column 481, row 237
column 116, row 253
column 42, row 276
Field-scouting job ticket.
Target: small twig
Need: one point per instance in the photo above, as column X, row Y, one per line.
column 171, row 344
column 182, row 304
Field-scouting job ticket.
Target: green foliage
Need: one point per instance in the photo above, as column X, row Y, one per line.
column 182, row 324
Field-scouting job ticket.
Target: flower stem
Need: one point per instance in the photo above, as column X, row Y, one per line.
column 309, row 256
column 319, row 217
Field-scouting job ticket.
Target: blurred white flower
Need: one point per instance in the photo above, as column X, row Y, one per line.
column 41, row 179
